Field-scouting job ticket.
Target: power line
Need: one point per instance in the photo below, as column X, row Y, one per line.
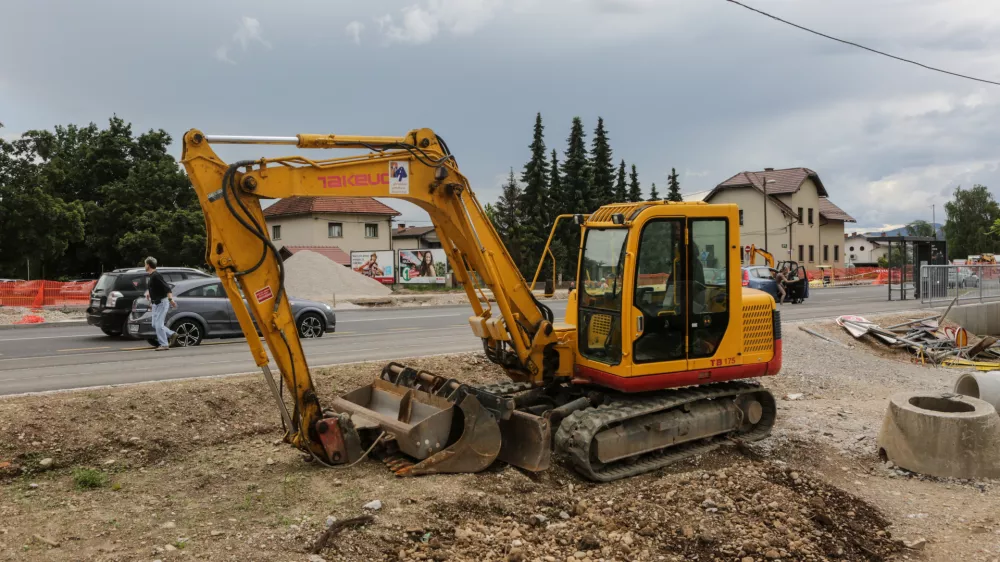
column 803, row 28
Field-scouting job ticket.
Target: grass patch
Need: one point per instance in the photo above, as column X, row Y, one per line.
column 89, row 479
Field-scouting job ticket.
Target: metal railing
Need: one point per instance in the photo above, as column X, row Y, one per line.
column 940, row 283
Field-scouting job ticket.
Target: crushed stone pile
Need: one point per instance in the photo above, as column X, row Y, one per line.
column 747, row 512
column 309, row 275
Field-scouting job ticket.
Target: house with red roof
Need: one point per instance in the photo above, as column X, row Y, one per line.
column 802, row 224
column 332, row 226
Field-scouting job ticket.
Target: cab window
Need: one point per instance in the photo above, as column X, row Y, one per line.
column 660, row 291
column 600, row 293
column 709, row 297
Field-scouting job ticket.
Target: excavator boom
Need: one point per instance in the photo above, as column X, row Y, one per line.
column 596, row 386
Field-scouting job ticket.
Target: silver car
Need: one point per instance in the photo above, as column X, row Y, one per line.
column 204, row 311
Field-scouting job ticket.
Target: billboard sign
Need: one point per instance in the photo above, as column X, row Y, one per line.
column 423, row 266
column 378, row 265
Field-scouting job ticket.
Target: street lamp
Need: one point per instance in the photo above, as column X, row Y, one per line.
column 766, row 181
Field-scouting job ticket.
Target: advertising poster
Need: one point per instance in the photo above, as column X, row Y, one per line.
column 423, row 266
column 375, row 264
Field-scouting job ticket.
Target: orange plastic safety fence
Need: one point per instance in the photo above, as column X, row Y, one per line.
column 36, row 294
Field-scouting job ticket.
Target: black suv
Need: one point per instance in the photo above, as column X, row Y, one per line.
column 112, row 297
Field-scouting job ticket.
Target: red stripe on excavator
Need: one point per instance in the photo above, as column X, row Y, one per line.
column 681, row 378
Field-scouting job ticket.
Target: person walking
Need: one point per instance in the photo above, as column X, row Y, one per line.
column 160, row 296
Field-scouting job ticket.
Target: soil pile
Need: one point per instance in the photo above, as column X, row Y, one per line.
column 309, row 275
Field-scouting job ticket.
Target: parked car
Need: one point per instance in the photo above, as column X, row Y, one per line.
column 112, row 297
column 205, row 311
column 760, row 277
column 963, row 277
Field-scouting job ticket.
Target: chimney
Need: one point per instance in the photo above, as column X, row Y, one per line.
column 401, row 226
column 768, row 169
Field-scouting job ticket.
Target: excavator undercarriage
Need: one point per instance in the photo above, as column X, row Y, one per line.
column 426, row 424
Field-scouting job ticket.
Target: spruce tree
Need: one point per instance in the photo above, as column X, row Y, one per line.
column 621, row 189
column 634, row 191
column 535, row 203
column 575, row 185
column 508, row 217
column 674, row 191
column 602, row 168
column 653, row 195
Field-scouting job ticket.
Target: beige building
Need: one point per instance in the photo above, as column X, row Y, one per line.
column 415, row 238
column 803, row 225
column 333, row 226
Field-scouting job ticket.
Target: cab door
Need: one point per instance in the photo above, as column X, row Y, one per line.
column 660, row 300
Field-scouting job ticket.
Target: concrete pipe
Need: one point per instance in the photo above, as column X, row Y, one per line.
column 984, row 386
column 942, row 435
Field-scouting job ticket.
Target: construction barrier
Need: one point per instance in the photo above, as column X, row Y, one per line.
column 36, row 294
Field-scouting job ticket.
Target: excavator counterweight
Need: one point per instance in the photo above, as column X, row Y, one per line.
column 652, row 363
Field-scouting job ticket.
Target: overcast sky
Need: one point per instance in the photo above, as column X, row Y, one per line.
column 701, row 85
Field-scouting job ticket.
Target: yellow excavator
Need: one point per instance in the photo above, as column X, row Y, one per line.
column 650, row 365
column 755, row 251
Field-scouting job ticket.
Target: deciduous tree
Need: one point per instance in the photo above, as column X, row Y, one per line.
column 971, row 215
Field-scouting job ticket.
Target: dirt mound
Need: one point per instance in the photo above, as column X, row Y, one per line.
column 761, row 510
column 309, row 275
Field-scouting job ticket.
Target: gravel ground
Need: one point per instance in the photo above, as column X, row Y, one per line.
column 12, row 314
column 196, row 470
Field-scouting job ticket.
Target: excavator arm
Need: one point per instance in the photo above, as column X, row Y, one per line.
column 768, row 257
column 518, row 333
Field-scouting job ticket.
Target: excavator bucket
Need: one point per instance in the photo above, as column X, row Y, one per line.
column 443, row 437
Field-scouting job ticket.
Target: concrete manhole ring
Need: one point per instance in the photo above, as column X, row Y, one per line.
column 985, row 386
column 943, row 435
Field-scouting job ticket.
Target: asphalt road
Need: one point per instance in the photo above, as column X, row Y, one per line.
column 56, row 358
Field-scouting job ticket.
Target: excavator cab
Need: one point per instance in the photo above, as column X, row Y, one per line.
column 645, row 303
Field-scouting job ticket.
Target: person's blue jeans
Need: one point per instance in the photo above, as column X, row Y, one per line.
column 159, row 323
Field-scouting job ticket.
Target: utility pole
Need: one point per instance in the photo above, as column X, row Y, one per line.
column 933, row 222
column 766, row 181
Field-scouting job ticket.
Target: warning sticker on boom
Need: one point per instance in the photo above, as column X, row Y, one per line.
column 399, row 178
column 264, row 294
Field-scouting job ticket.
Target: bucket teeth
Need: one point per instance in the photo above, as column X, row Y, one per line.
column 398, row 464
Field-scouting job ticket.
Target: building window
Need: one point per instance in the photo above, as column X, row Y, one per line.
column 800, row 217
column 812, row 253
column 276, row 232
column 810, row 215
column 741, row 217
column 862, row 248
column 335, row 230
column 826, row 253
column 371, row 230
column 836, row 253
column 801, row 255
column 852, row 248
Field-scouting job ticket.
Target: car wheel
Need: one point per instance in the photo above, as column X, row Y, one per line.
column 189, row 332
column 153, row 342
column 311, row 326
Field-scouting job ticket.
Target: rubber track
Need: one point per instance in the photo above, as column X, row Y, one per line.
column 506, row 388
column 577, row 431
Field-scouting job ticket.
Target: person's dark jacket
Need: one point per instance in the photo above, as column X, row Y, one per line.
column 157, row 287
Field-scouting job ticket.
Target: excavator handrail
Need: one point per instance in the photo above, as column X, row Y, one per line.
column 548, row 251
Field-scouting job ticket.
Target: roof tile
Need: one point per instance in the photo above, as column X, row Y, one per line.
column 829, row 210
column 788, row 180
column 347, row 205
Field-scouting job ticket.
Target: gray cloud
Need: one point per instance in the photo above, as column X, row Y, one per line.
column 704, row 87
